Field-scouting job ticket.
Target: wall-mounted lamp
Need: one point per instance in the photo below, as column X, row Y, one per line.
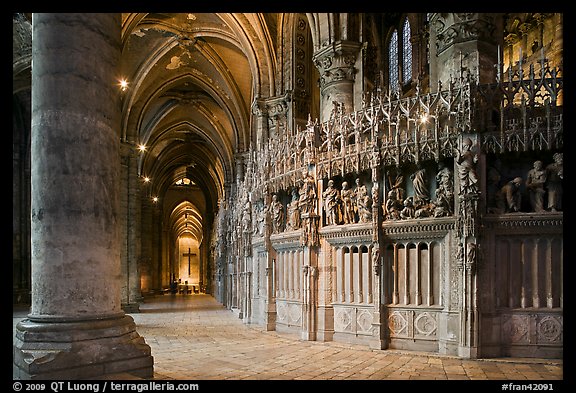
column 123, row 84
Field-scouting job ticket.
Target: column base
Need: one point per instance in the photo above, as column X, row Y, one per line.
column 131, row 308
column 468, row 352
column 80, row 350
column 270, row 321
column 325, row 323
column 308, row 336
column 377, row 341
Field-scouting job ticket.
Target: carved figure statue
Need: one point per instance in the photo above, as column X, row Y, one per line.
column 307, row 198
column 277, row 214
column 362, row 200
column 444, row 192
column 332, row 202
column 376, row 259
column 293, row 221
column 395, row 197
column 420, row 183
column 260, row 220
column 554, row 177
column 408, row 210
column 393, row 206
column 467, row 160
column 535, row 181
column 509, row 199
column 247, row 217
column 375, row 194
column 471, row 255
column 347, row 195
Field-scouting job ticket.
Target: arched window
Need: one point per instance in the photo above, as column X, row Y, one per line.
column 400, row 57
column 393, row 77
column 406, row 53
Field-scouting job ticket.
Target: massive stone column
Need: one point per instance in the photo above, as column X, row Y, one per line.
column 76, row 328
column 463, row 45
column 337, row 74
column 130, row 224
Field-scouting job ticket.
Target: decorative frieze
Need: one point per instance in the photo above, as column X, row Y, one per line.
column 523, row 222
column 347, row 234
column 425, row 228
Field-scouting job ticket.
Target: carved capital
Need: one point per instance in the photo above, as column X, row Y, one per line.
column 453, row 28
column 259, row 107
column 336, row 62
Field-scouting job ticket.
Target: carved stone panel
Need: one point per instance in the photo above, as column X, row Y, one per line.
column 532, row 329
column 425, row 324
column 353, row 320
column 398, row 323
column 549, row 329
column 413, row 323
column 342, row 319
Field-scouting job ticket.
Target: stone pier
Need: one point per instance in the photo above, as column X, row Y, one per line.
column 76, row 328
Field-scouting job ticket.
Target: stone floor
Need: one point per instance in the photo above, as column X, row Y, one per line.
column 193, row 337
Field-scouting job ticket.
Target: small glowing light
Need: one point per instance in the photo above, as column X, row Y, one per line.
column 424, row 118
column 142, row 148
column 123, row 84
column 146, row 179
column 155, row 199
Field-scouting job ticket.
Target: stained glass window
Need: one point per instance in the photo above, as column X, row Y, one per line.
column 393, row 61
column 406, row 53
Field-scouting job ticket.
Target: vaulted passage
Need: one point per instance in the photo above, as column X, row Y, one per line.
column 388, row 181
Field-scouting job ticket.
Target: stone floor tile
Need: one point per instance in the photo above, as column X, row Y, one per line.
column 193, row 337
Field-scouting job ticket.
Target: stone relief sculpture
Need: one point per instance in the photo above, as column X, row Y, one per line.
column 554, row 177
column 395, row 201
column 535, row 181
column 348, row 208
column 307, row 198
column 459, row 256
column 422, row 209
column 408, row 210
column 444, row 203
column 293, row 221
column 471, row 255
column 247, row 217
column 277, row 214
column 420, row 184
column 260, row 220
column 247, row 228
column 467, row 160
column 332, row 201
column 509, row 200
column 393, row 206
column 362, row 200
column 376, row 259
column 375, row 194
